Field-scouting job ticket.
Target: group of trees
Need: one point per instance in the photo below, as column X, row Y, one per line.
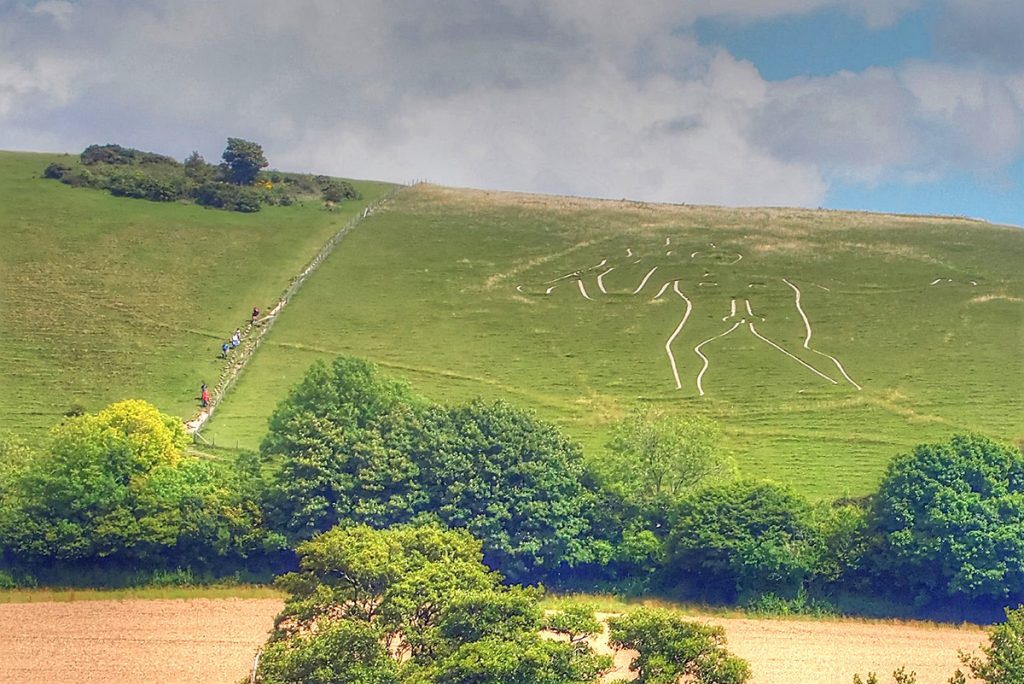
column 350, row 452
column 664, row 511
column 115, row 489
column 237, row 184
column 416, row 605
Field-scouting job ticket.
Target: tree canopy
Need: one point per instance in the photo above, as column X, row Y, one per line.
column 117, row 485
column 416, row 605
column 670, row 648
column 949, row 521
column 354, row 446
column 654, row 455
column 244, row 160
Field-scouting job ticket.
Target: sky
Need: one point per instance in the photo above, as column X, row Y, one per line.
column 909, row 106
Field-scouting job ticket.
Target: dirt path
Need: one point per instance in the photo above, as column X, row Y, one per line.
column 124, row 642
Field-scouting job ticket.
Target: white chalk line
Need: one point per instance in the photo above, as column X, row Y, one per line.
column 519, row 288
column 807, row 339
column 751, row 312
column 795, row 358
column 662, row 290
column 693, row 254
column 668, row 241
column 732, row 310
column 707, row 362
column 670, row 252
column 707, row 284
column 574, row 274
column 629, row 251
column 638, row 261
column 739, row 257
column 548, row 291
column 644, row 281
column 583, row 290
column 822, row 287
column 936, row 281
column 603, row 262
column 679, row 329
column 600, row 280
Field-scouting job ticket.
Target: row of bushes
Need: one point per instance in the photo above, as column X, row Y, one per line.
column 235, row 185
column 350, row 446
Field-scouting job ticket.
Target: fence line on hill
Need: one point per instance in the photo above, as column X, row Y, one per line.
column 254, row 333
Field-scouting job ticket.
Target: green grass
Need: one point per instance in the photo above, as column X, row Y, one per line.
column 427, row 289
column 105, row 298
column 56, row 595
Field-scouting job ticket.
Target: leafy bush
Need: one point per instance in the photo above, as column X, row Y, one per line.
column 742, row 538
column 1002, row 661
column 670, row 648
column 227, row 196
column 141, row 186
column 116, row 486
column 948, row 521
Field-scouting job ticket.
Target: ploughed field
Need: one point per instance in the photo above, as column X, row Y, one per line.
column 206, row 640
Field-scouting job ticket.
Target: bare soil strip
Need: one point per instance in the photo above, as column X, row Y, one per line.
column 831, row 652
column 129, row 642
column 204, row 640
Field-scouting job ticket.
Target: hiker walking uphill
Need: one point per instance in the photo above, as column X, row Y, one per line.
column 204, row 396
column 255, row 315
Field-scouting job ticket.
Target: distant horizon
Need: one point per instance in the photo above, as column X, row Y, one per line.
column 272, row 167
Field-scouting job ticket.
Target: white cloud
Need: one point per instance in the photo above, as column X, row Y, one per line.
column 584, row 97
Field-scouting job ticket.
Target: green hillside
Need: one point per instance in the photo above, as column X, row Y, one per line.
column 104, row 298
column 916, row 324
column 449, row 289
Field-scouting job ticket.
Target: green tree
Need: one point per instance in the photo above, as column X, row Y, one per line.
column 353, row 446
column 949, row 521
column 669, row 648
column 421, row 596
column 577, row 621
column 243, row 160
column 1002, row 661
column 743, row 538
column 117, row 485
column 655, row 455
column 349, row 651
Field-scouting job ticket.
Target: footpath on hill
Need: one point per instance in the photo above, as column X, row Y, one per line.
column 256, row 330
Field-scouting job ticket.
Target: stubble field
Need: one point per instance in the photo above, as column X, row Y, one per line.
column 145, row 641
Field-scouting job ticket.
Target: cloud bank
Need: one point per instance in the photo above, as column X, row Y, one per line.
column 566, row 96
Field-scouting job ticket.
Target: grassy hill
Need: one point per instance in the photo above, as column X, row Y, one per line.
column 104, row 298
column 450, row 288
column 917, row 324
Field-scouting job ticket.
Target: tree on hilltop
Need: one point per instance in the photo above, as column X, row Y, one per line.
column 243, row 159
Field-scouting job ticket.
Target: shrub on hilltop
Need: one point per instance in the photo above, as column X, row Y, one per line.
column 237, row 184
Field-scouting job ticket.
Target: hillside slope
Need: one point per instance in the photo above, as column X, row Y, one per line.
column 824, row 342
column 104, row 298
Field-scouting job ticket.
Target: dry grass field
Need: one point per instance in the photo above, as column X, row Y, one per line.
column 207, row 640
